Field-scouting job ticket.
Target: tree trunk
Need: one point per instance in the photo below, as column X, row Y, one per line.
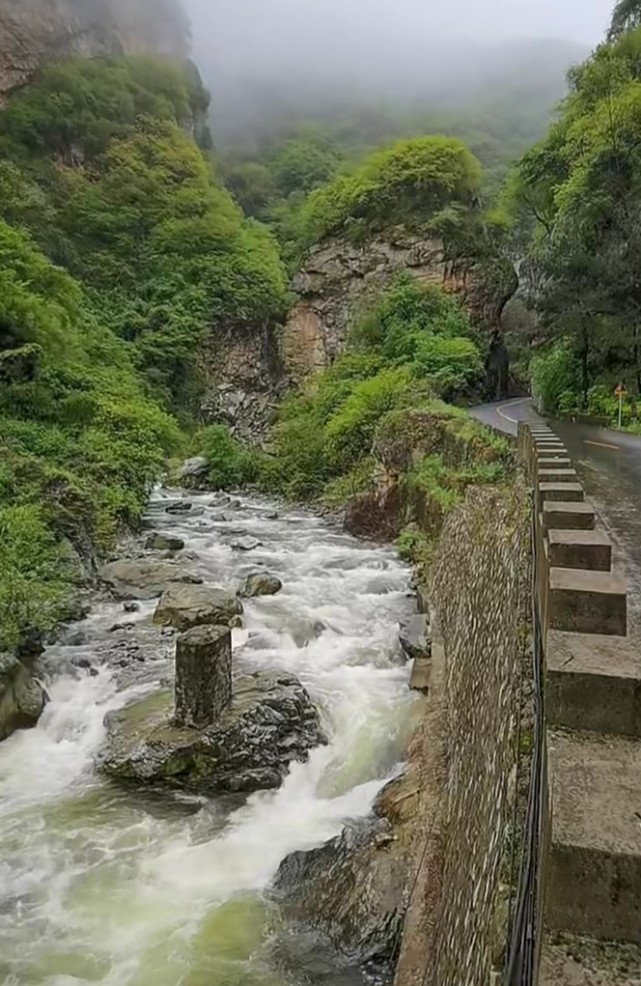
column 585, row 364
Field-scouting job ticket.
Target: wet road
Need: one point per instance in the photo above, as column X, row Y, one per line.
column 609, row 466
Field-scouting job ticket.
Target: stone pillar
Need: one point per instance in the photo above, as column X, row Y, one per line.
column 203, row 676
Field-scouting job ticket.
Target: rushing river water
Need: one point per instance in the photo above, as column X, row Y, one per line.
column 138, row 888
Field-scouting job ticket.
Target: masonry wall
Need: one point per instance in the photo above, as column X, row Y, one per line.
column 457, row 919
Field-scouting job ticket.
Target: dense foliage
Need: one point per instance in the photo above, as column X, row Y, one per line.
column 80, row 442
column 119, row 250
column 414, row 348
column 577, row 199
column 122, row 197
column 407, row 183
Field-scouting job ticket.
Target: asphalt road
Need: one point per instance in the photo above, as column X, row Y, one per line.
column 608, row 464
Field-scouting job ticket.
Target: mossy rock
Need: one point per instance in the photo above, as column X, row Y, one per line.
column 271, row 723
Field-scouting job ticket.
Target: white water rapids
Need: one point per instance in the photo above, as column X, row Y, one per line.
column 138, row 888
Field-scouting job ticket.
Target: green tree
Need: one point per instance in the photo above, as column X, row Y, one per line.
column 578, row 194
column 625, row 17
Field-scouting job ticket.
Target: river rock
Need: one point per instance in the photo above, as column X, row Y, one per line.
column 179, row 507
column 415, row 638
column 164, row 542
column 353, row 890
column 144, row 578
column 22, row 697
column 245, row 544
column 271, row 723
column 260, row 584
column 184, row 607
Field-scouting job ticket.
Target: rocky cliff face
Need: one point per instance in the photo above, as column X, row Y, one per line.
column 33, row 32
column 247, row 375
column 340, row 279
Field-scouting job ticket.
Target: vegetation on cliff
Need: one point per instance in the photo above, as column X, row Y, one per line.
column 576, row 198
column 408, row 183
column 377, row 417
column 119, row 249
column 122, row 196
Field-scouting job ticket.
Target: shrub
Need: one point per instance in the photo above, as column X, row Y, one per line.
column 229, row 464
column 555, row 374
column 350, row 431
column 32, row 570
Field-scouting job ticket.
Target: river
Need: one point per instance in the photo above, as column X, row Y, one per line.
column 139, row 888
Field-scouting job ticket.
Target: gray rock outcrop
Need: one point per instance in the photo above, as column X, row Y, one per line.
column 144, row 578
column 339, row 278
column 187, row 606
column 271, row 723
column 34, row 32
column 414, row 638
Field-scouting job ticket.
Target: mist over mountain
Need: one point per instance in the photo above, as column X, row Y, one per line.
column 265, row 60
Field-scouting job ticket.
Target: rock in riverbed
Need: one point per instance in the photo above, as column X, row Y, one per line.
column 22, row 697
column 245, row 544
column 183, row 607
column 164, row 542
column 271, row 723
column 415, row 638
column 179, row 507
column 352, row 890
column 144, row 578
column 260, row 584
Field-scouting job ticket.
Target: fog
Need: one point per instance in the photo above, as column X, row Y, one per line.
column 257, row 51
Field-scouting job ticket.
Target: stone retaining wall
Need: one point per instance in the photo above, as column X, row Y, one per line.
column 456, row 925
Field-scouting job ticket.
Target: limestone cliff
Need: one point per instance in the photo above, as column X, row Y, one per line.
column 33, row 32
column 247, row 375
column 340, row 279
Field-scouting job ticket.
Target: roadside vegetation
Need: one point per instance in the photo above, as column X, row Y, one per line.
column 575, row 203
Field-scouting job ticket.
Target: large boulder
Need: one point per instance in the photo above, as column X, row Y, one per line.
column 144, row 578
column 187, row 606
column 22, row 697
column 164, row 542
column 352, row 891
column 271, row 723
column 260, row 584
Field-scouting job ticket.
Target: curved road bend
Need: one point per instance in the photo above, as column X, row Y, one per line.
column 609, row 466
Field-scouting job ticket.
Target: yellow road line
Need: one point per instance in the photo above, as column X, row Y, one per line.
column 500, row 410
column 602, row 445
